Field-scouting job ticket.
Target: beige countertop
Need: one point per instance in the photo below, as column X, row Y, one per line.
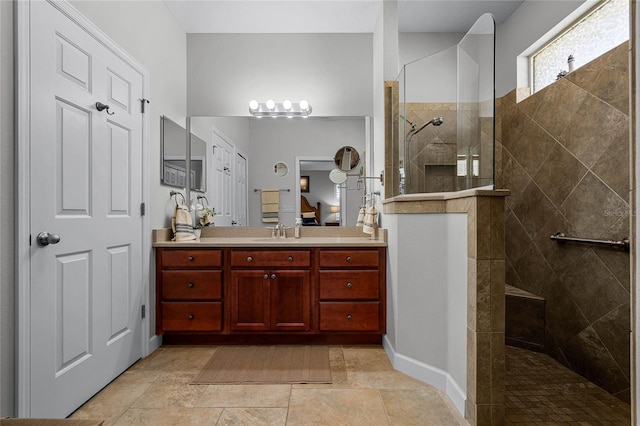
column 260, row 237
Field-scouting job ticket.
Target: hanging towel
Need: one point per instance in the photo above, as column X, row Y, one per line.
column 271, row 205
column 182, row 224
column 370, row 221
column 360, row 220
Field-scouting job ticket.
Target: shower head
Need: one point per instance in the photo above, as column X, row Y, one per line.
column 436, row 121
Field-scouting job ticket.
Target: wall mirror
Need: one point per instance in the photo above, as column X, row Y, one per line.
column 246, row 154
column 174, row 157
column 347, row 158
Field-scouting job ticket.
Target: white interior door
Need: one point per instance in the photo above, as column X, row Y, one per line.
column 86, row 188
column 223, row 161
column 241, row 190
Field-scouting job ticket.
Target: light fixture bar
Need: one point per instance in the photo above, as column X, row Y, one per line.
column 280, row 109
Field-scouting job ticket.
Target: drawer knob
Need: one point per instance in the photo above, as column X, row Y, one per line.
column 290, row 258
column 190, row 258
column 349, row 285
column 190, row 317
column 348, row 258
column 190, row 285
column 273, row 276
column 249, row 259
column 349, row 317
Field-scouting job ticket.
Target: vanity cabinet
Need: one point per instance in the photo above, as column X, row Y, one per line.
column 189, row 290
column 280, row 294
column 270, row 299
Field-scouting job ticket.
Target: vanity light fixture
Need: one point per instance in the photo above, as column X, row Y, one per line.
column 286, row 108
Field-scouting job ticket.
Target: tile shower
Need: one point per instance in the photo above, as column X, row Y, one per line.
column 564, row 154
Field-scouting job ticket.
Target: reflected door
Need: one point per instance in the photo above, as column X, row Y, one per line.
column 223, row 180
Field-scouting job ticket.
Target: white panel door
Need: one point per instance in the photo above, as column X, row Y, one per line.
column 223, row 182
column 241, row 190
column 86, row 188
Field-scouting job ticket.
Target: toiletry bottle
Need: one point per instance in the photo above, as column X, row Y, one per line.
column 298, row 228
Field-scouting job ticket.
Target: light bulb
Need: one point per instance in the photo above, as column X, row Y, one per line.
column 304, row 105
column 270, row 104
column 286, row 105
column 253, row 105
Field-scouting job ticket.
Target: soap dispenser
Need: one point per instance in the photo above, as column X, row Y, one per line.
column 298, row 228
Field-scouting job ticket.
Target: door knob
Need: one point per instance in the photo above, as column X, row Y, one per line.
column 45, row 238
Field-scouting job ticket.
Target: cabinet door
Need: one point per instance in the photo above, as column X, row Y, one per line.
column 250, row 300
column 290, row 300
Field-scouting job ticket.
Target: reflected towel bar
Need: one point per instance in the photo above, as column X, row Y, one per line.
column 281, row 189
column 560, row 237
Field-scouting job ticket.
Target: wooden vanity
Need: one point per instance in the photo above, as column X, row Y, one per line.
column 321, row 289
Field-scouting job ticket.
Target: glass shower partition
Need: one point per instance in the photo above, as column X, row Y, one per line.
column 447, row 110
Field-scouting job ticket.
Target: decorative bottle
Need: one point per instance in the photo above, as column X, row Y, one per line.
column 297, row 230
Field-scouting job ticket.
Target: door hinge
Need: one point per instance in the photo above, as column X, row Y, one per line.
column 143, row 209
column 144, row 311
column 142, row 102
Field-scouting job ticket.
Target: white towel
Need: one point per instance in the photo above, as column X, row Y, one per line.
column 182, row 224
column 271, row 205
column 370, row 221
column 360, row 219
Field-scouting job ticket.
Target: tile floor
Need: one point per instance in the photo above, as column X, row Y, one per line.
column 365, row 391
column 541, row 391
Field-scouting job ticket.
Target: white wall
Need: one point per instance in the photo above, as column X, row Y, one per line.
column 7, row 277
column 427, row 299
column 331, row 71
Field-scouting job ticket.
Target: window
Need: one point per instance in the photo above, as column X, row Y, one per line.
column 602, row 29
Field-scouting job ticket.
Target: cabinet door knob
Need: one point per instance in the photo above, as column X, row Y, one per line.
column 190, row 258
column 273, row 276
column 190, row 285
column 349, row 285
column 190, row 317
column 349, row 317
column 266, row 276
column 348, row 258
column 249, row 259
column 290, row 258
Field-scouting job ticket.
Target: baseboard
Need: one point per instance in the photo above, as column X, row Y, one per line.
column 154, row 343
column 426, row 373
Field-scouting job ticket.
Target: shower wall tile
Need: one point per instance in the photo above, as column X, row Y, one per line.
column 592, row 208
column 534, row 209
column 565, row 159
column 593, row 128
column 559, row 189
column 616, row 337
column 559, row 103
column 593, row 288
column 532, row 147
column 590, row 358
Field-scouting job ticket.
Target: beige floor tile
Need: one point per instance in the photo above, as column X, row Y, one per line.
column 245, row 396
column 253, row 416
column 384, row 379
column 169, row 417
column 366, row 358
column 112, row 401
column 170, row 390
column 336, row 407
column 418, row 407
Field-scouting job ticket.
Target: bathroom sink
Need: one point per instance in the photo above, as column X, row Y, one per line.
column 275, row 240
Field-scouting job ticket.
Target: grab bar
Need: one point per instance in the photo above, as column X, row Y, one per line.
column 624, row 243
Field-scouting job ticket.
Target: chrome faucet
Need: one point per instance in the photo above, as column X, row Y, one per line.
column 282, row 231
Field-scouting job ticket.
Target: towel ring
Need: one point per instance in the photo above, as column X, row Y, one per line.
column 176, row 193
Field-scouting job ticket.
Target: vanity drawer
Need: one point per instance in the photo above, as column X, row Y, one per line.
column 270, row 258
column 192, row 284
column 347, row 316
column 348, row 258
column 191, row 316
column 349, row 284
column 185, row 258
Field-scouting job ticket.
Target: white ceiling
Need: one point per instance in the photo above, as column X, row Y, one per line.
column 331, row 16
